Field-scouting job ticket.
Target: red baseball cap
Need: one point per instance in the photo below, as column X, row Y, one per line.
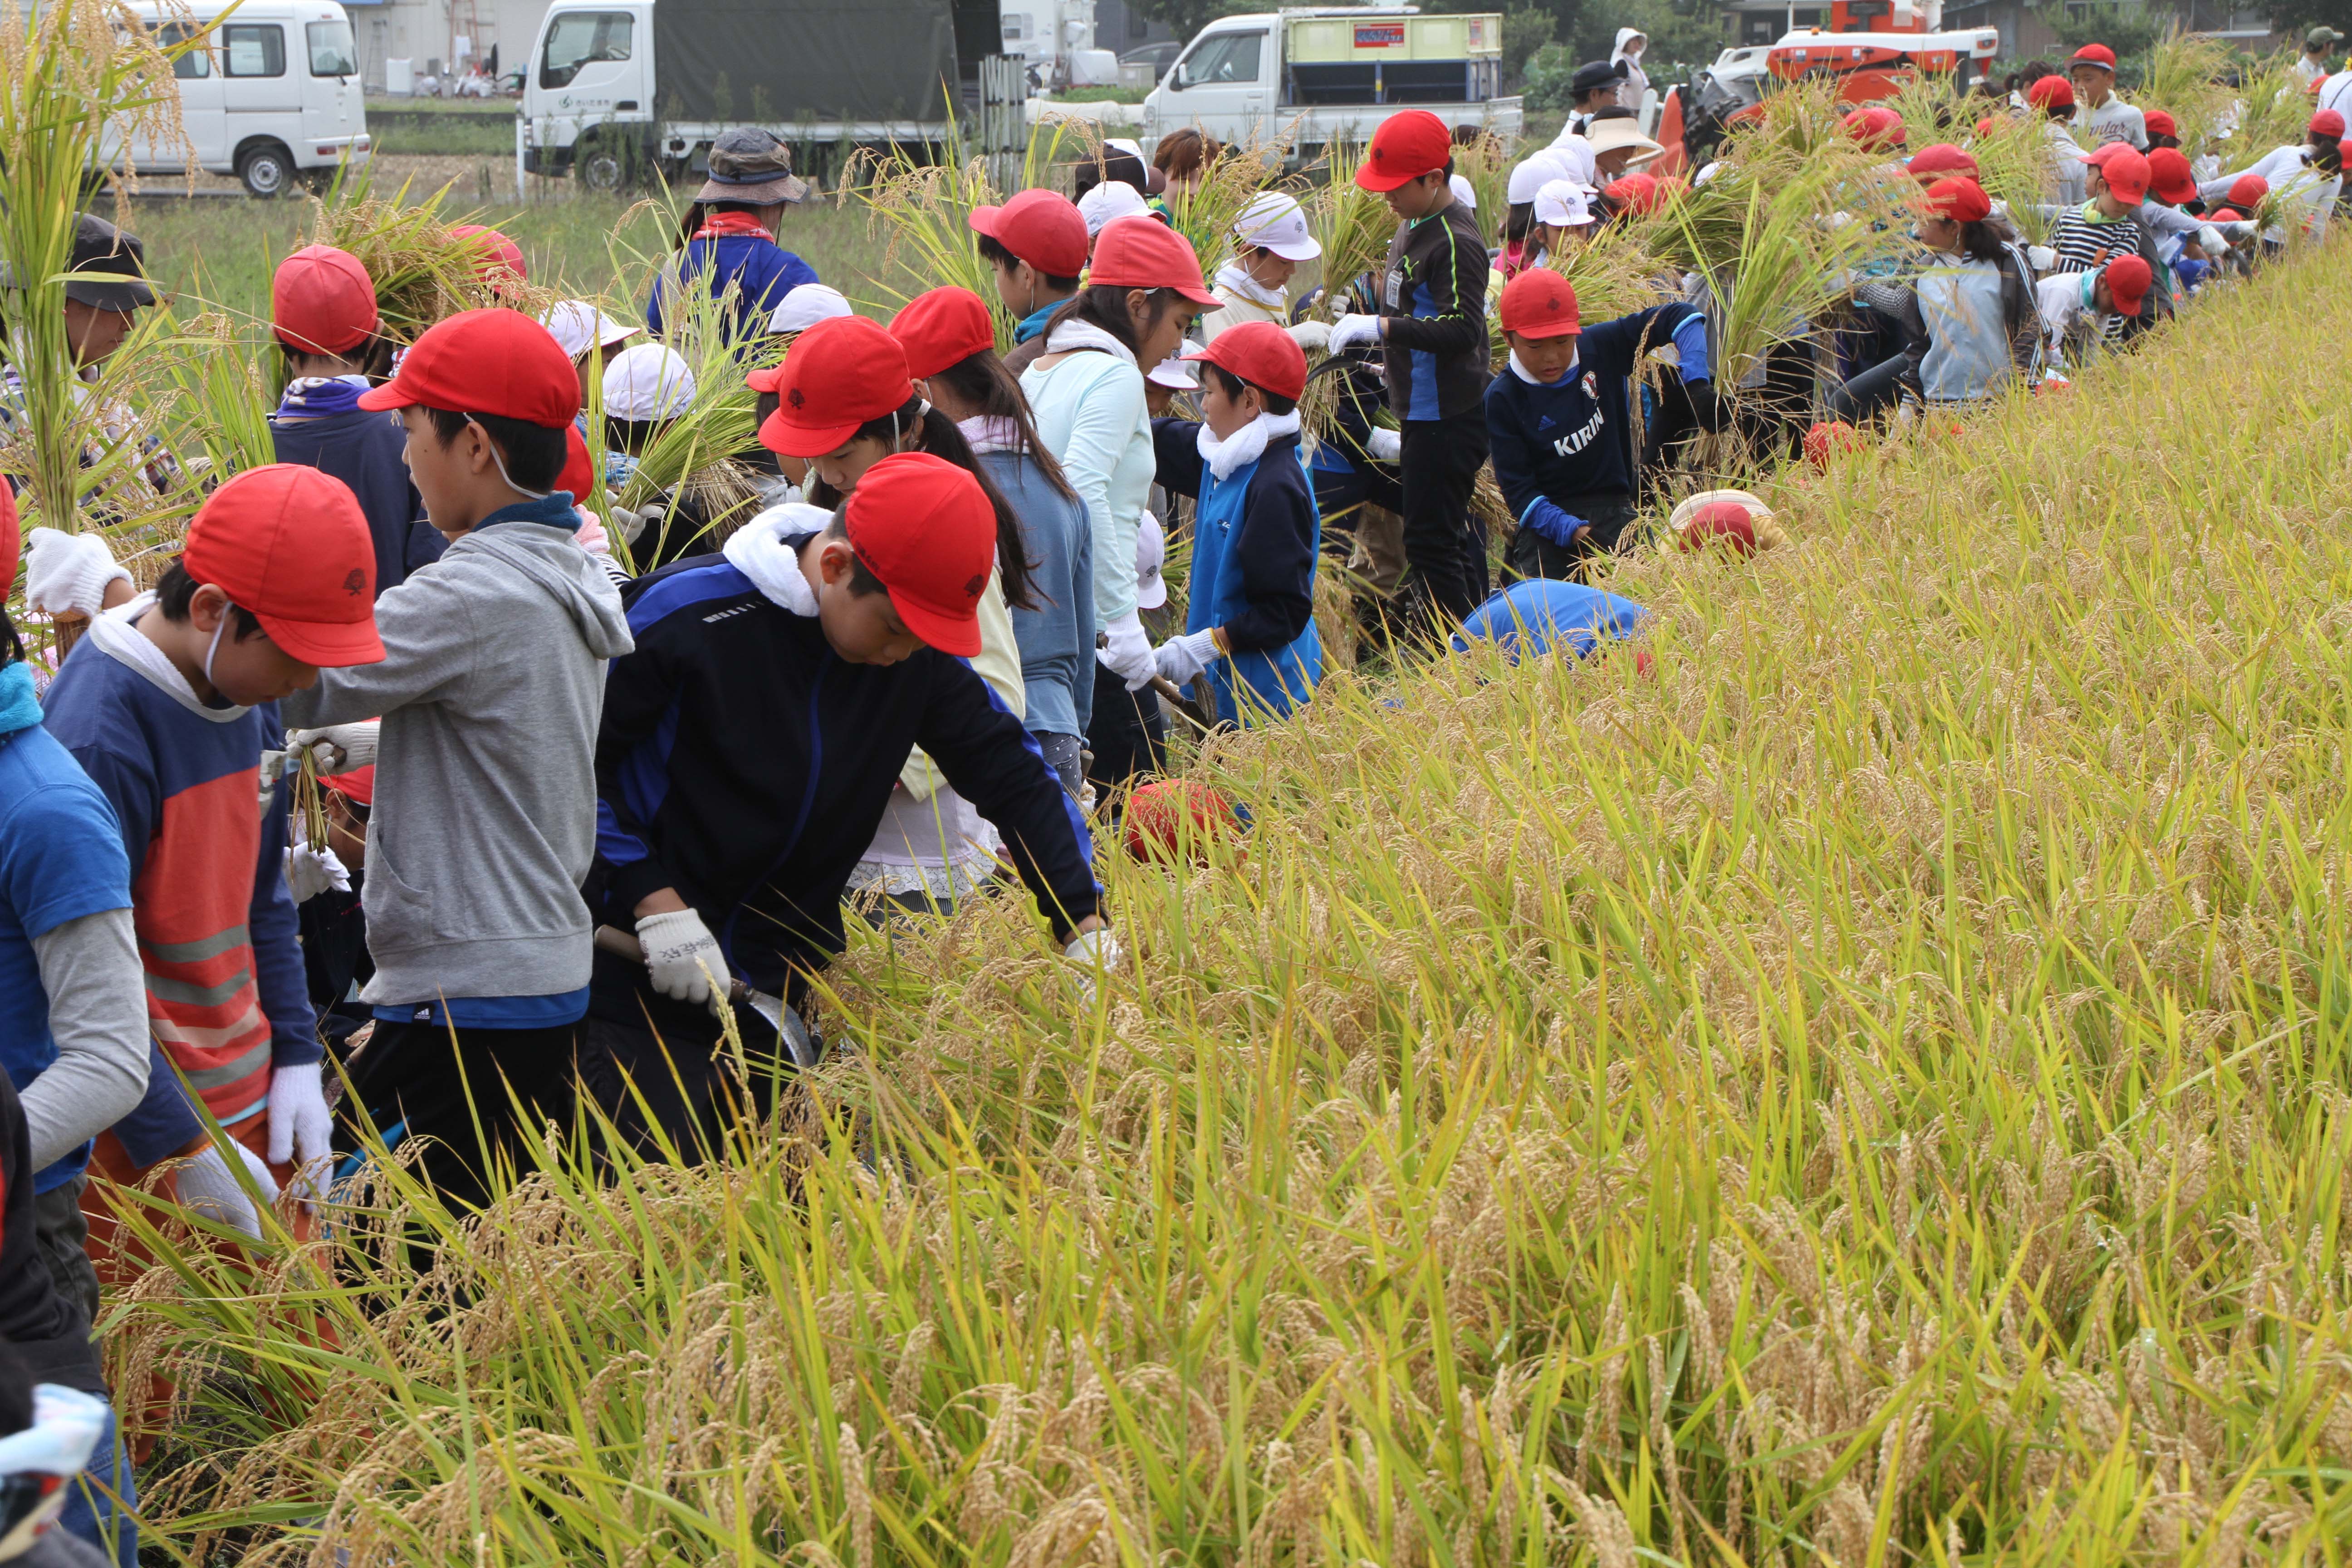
column 2247, row 191
column 2159, row 123
column 1144, row 253
column 321, row 301
column 1876, row 127
column 1038, row 227
column 1958, row 198
column 2169, row 177
column 497, row 253
column 942, row 327
column 1943, row 158
column 579, row 475
column 2096, row 54
column 2128, row 279
column 1637, row 192
column 289, row 543
column 1261, row 354
column 1540, row 304
column 2051, row 93
column 1405, row 147
column 2327, row 122
column 486, row 362
column 2226, row 215
column 2097, row 156
column 1723, row 524
column 840, row 373
column 12, row 537
column 2125, row 172
column 925, row 529
column 358, row 785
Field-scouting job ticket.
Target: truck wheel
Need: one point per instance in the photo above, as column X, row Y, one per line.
column 266, row 169
column 602, row 167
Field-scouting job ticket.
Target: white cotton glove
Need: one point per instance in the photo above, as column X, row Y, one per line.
column 300, row 1128
column 66, row 1425
column 274, row 766
column 1354, row 332
column 1384, row 444
column 590, row 534
column 683, row 957
column 1128, row 656
column 1093, row 952
column 340, row 748
column 67, row 573
column 1312, row 337
column 207, row 1187
column 633, row 523
column 1181, row 659
column 313, row 870
column 2040, row 257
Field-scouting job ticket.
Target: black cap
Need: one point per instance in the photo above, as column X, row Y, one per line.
column 1594, row 75
column 99, row 246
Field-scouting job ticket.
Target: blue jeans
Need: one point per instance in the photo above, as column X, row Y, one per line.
column 91, row 1516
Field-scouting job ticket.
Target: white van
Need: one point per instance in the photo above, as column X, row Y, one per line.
column 274, row 94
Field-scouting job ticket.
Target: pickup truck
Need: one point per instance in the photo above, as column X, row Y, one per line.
column 1315, row 76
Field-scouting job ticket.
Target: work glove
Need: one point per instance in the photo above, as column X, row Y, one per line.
column 67, row 573
column 1384, row 445
column 1181, row 658
column 300, row 1130
column 633, row 523
column 313, row 870
column 274, row 766
column 206, row 1186
column 1312, row 337
column 2040, row 257
column 682, row 957
column 1129, row 652
column 1093, row 952
column 1354, row 332
column 338, row 748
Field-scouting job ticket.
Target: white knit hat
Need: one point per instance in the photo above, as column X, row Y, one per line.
column 648, row 381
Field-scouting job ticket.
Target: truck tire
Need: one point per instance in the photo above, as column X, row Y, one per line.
column 602, row 165
column 267, row 170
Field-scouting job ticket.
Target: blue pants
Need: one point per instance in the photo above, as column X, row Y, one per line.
column 91, row 1516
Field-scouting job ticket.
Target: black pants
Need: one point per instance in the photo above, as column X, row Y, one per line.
column 1533, row 556
column 668, row 1094
column 458, row 1089
column 1126, row 736
column 1442, row 459
column 1869, row 394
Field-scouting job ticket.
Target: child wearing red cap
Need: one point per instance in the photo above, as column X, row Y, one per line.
column 2076, row 307
column 1560, row 420
column 2311, row 172
column 830, row 652
column 1432, row 329
column 1965, row 311
column 2106, row 225
column 322, row 310
column 169, row 704
column 2054, row 97
column 483, row 821
column 2100, row 116
column 1250, row 618
column 1036, row 244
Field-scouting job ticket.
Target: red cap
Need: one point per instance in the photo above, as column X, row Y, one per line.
column 579, row 475
column 1144, row 253
column 1724, row 524
column 2051, row 93
column 943, row 327
column 289, row 543
column 321, row 301
column 1958, row 198
column 1823, row 440
column 925, row 527
column 1943, row 158
column 2159, row 123
column 2125, row 173
column 2169, row 177
column 2226, row 215
column 2327, row 122
column 2096, row 54
column 1540, row 304
column 1984, row 126
column 2097, row 156
column 1405, row 147
column 1171, row 819
column 1637, row 192
column 486, row 362
column 840, row 373
column 2128, row 279
column 497, row 253
column 358, row 785
column 12, row 537
column 1039, row 226
column 1876, row 127
column 1261, row 354
column 2248, row 191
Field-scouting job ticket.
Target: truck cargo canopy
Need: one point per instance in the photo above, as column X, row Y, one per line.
column 804, row 59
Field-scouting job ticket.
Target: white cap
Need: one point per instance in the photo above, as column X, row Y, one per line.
column 578, row 326
column 1175, row 371
column 1277, row 223
column 1112, row 198
column 648, row 381
column 1532, row 175
column 1463, row 192
column 1562, row 204
column 1576, row 158
column 1150, row 555
column 805, row 306
column 1127, row 144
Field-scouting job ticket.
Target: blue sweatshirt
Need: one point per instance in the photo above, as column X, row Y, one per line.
column 1056, row 634
column 1558, row 443
column 761, row 271
column 364, row 450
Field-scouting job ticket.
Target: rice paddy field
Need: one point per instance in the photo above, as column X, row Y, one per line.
column 1872, row 1090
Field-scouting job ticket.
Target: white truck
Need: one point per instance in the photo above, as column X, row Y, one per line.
column 271, row 95
column 1314, row 76
column 615, row 89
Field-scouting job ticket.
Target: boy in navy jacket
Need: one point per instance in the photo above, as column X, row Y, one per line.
column 1559, row 421
column 747, row 751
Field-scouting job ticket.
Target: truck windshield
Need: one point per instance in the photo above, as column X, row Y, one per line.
column 332, row 52
column 1228, row 56
column 577, row 39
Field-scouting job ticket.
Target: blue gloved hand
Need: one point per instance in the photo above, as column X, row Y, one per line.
column 1690, row 344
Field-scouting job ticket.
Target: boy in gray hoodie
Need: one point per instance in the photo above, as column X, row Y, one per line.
column 485, row 814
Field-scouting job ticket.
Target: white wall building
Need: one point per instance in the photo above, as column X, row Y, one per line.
column 448, row 31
